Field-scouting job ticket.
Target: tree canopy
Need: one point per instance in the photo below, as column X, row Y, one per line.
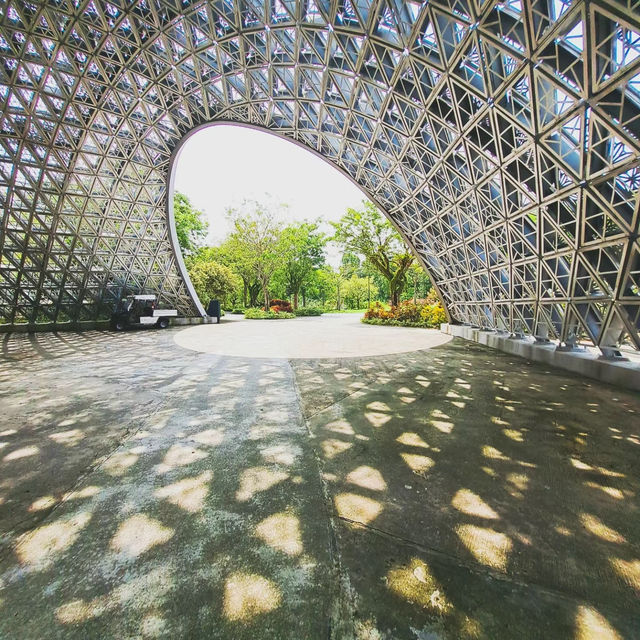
column 263, row 258
column 302, row 248
column 212, row 280
column 368, row 233
column 191, row 226
column 257, row 236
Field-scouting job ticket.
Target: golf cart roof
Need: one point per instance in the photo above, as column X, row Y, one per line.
column 143, row 297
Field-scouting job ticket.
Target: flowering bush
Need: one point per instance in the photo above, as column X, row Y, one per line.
column 278, row 305
column 407, row 312
column 377, row 311
column 433, row 314
column 423, row 313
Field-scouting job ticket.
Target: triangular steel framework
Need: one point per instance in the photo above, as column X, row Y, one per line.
column 501, row 138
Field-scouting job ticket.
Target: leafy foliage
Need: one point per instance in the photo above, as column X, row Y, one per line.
column 257, row 238
column 369, row 234
column 355, row 292
column 261, row 314
column 307, row 311
column 288, row 262
column 302, row 247
column 191, row 227
column 278, row 305
column 212, row 280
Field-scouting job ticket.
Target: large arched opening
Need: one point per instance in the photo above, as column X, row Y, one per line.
column 309, row 179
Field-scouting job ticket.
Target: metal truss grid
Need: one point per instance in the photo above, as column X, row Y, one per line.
column 501, row 138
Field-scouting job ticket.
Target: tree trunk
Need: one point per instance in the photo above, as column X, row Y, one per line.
column 295, row 300
column 254, row 290
column 244, row 292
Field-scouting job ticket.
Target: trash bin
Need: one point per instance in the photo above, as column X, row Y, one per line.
column 213, row 309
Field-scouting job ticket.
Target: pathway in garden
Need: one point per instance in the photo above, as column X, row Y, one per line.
column 148, row 490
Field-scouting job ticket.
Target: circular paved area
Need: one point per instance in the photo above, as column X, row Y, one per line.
column 328, row 336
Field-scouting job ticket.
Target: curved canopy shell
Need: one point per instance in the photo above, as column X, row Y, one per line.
column 500, row 137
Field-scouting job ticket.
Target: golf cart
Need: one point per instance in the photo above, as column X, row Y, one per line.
column 140, row 311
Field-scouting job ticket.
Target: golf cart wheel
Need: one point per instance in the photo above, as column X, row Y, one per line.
column 118, row 325
column 163, row 323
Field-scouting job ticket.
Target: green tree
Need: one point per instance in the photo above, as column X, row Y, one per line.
column 232, row 254
column 257, row 238
column 337, row 280
column 191, row 227
column 350, row 264
column 319, row 286
column 212, row 280
column 302, row 248
column 355, row 291
column 419, row 280
column 368, row 233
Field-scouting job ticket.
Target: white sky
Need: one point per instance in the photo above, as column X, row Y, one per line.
column 222, row 165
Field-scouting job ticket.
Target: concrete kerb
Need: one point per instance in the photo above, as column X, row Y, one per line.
column 586, row 363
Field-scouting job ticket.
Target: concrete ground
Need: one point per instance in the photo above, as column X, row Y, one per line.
column 149, row 490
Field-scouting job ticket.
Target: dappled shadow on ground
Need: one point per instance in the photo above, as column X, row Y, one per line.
column 66, row 402
column 478, row 495
column 149, row 492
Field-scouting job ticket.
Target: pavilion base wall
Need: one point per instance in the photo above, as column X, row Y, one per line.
column 586, row 363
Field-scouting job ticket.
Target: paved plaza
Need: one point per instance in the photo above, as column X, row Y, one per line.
column 163, row 484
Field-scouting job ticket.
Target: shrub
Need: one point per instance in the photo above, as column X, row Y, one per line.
column 308, row 311
column 212, row 280
column 238, row 310
column 281, row 305
column 261, row 314
column 433, row 314
column 407, row 314
column 378, row 311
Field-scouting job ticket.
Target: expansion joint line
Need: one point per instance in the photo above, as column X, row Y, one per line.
column 341, row 622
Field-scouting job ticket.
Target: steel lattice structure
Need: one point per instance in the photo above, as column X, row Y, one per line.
column 502, row 138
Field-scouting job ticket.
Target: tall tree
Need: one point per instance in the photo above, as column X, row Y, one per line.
column 191, row 226
column 257, row 234
column 368, row 233
column 212, row 280
column 302, row 251
column 420, row 281
column 232, row 254
column 350, row 264
column 320, row 285
column 337, row 281
column 355, row 291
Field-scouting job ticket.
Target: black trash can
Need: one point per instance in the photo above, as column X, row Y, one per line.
column 213, row 309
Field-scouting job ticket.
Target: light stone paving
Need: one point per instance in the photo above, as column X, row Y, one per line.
column 328, row 336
